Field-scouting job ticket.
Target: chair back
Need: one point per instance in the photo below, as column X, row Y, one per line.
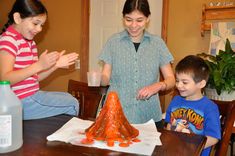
column 227, row 112
column 89, row 98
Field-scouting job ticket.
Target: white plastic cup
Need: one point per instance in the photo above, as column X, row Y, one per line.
column 93, row 78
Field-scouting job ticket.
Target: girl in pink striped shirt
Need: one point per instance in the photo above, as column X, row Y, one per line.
column 20, row 64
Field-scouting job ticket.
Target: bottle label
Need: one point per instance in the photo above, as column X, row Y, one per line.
column 5, row 130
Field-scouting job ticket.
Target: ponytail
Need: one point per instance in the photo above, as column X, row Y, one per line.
column 9, row 22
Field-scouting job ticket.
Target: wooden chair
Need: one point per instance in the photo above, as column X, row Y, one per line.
column 232, row 140
column 90, row 98
column 227, row 112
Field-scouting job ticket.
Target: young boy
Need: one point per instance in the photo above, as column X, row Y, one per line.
column 191, row 112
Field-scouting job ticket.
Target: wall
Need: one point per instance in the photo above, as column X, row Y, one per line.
column 184, row 35
column 61, row 31
column 184, row 28
column 184, row 23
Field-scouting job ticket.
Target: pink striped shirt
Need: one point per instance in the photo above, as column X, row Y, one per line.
column 25, row 53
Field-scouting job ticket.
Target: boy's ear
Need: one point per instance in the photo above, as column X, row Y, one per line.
column 202, row 84
column 17, row 18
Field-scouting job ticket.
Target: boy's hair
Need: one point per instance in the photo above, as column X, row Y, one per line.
column 26, row 8
column 195, row 66
column 140, row 5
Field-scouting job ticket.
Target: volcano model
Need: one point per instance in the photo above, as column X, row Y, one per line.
column 111, row 125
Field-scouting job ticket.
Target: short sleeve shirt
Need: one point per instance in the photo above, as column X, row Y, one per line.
column 25, row 54
column 198, row 117
column 133, row 70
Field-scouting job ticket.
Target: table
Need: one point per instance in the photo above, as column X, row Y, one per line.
column 36, row 131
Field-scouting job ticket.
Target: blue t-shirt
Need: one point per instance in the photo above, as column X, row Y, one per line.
column 133, row 70
column 199, row 117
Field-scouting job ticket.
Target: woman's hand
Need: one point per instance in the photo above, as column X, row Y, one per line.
column 66, row 60
column 146, row 92
column 168, row 83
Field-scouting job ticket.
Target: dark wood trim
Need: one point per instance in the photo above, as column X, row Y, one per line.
column 165, row 5
column 165, row 10
column 84, row 53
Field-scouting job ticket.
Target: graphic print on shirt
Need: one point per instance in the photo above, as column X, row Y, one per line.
column 187, row 120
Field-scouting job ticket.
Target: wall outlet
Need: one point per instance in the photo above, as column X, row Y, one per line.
column 77, row 64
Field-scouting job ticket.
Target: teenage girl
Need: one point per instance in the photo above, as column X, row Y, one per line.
column 133, row 60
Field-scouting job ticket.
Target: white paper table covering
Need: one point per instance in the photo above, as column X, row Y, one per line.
column 72, row 132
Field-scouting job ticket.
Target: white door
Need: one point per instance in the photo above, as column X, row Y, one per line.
column 106, row 19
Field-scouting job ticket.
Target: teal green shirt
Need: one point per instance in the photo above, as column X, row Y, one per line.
column 133, row 70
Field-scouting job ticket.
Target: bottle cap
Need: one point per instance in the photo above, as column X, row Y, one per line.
column 4, row 82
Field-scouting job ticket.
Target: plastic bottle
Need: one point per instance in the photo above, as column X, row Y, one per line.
column 10, row 119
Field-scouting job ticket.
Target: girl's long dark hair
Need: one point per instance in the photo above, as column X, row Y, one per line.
column 140, row 5
column 26, row 8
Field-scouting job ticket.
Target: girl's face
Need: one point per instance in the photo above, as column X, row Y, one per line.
column 135, row 23
column 30, row 26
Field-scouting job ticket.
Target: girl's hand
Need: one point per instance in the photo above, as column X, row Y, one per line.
column 66, row 60
column 47, row 60
column 146, row 92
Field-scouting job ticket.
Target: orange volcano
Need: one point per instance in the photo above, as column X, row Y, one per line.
column 111, row 125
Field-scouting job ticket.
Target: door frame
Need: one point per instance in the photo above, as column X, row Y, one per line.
column 84, row 51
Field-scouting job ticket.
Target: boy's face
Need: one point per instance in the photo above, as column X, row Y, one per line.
column 187, row 87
